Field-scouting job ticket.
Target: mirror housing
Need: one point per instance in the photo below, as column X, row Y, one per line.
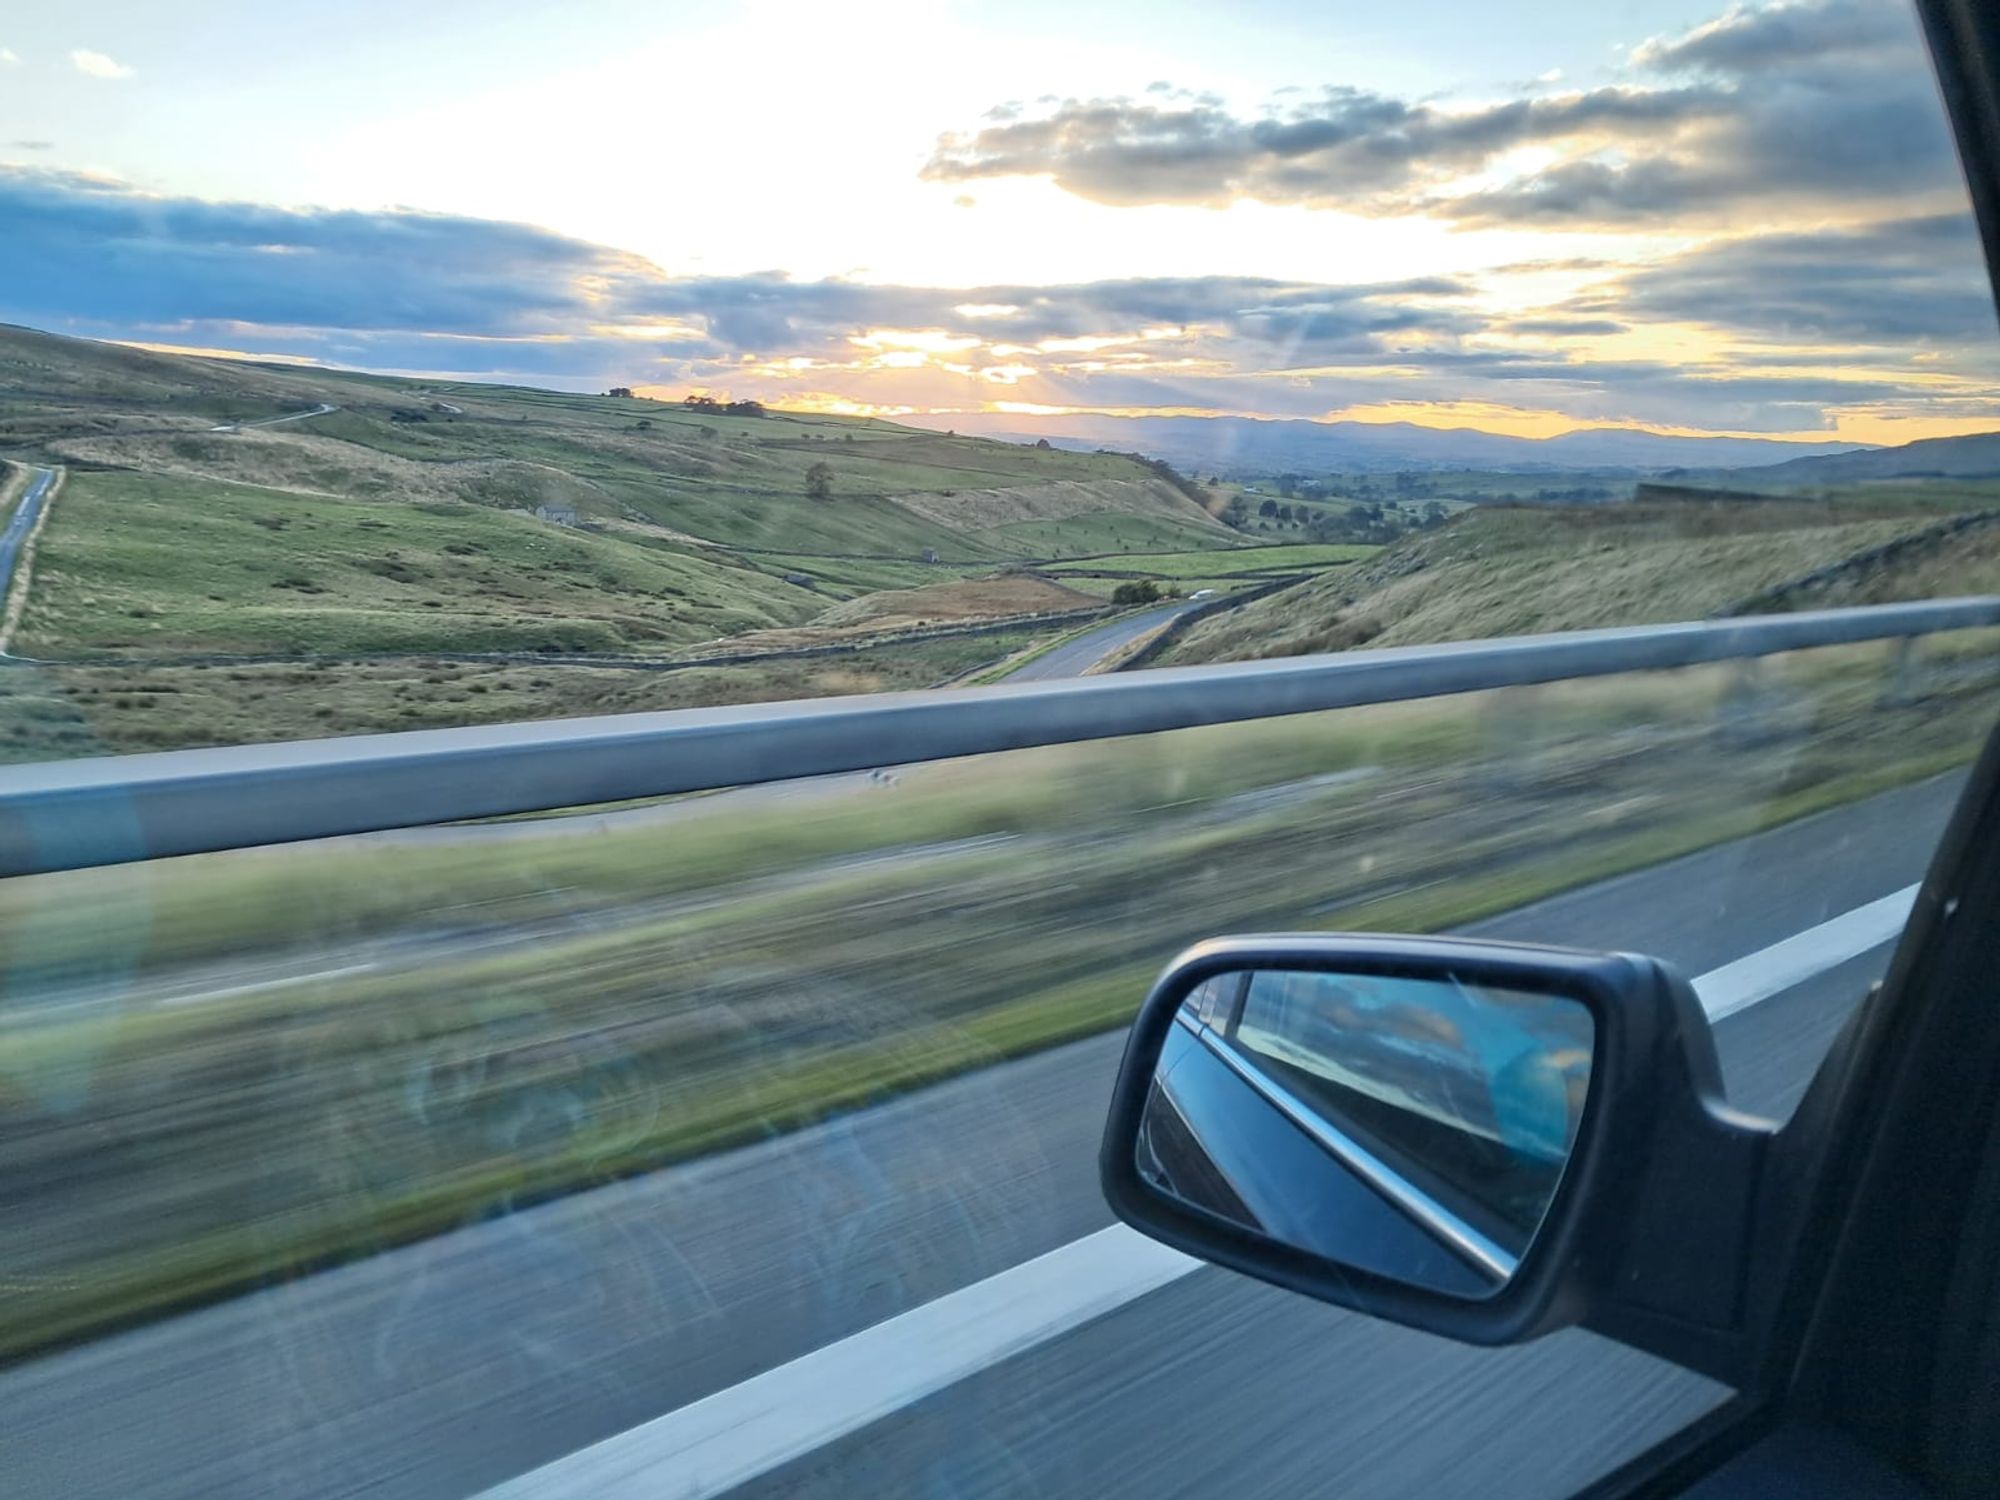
column 1650, row 1225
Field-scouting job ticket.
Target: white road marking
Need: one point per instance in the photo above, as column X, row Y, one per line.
column 727, row 1439
column 749, row 1429
column 1769, row 971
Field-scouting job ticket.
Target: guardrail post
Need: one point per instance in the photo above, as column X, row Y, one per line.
column 1755, row 706
column 1905, row 684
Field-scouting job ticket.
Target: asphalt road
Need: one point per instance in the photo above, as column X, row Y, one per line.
column 448, row 1366
column 1075, row 657
column 20, row 524
column 298, row 416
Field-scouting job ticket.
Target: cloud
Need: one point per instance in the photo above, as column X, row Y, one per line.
column 82, row 245
column 1746, row 40
column 1567, row 327
column 772, row 312
column 31, row 145
column 97, row 65
column 1909, row 284
column 1803, row 106
column 9, row 58
column 1345, row 143
column 450, row 295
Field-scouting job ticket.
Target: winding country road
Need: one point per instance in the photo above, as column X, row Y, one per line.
column 21, row 523
column 1074, row 658
column 323, row 409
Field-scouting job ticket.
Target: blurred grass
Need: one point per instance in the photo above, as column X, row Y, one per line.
column 221, row 1071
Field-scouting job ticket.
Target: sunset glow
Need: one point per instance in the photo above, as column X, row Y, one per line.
column 1700, row 220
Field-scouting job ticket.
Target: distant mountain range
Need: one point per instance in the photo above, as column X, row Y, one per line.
column 1251, row 445
column 1974, row 457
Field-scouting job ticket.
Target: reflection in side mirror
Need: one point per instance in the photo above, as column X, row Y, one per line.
column 1412, row 1127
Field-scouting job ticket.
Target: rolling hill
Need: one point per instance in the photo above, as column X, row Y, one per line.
column 1973, row 457
column 1508, row 570
column 1257, row 446
column 404, row 517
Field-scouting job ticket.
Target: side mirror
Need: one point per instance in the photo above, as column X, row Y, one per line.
column 1452, row 1134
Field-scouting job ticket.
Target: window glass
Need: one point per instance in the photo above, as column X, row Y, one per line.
column 416, row 370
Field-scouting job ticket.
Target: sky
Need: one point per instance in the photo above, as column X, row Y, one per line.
column 1528, row 219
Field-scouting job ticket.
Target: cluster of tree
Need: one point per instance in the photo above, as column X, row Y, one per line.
column 620, row 390
column 1371, row 521
column 1139, row 591
column 727, row 408
column 819, row 482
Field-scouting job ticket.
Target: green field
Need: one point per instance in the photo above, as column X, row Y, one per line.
column 851, row 577
column 1214, row 565
column 1090, row 536
column 164, row 564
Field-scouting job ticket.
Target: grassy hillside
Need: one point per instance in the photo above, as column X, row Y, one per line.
column 51, row 713
column 1974, row 457
column 151, row 564
column 1505, row 571
column 398, row 520
column 737, row 481
column 1245, row 560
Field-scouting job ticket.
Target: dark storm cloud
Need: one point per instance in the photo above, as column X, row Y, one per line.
column 1816, row 102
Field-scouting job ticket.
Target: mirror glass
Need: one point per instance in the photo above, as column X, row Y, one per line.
column 1415, row 1127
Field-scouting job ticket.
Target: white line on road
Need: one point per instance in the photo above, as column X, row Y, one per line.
column 1769, row 971
column 713, row 1445
column 722, row 1440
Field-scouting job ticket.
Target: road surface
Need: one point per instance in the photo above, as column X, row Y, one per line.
column 20, row 524
column 298, row 416
column 1075, row 657
column 447, row 1367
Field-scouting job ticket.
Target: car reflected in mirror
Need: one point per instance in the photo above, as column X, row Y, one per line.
column 1413, row 1127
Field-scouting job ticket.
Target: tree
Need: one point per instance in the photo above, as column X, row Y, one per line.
column 1041, row 442
column 819, row 482
column 1268, row 508
column 620, row 390
column 1139, row 591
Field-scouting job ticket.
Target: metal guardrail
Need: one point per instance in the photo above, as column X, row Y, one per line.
column 73, row 814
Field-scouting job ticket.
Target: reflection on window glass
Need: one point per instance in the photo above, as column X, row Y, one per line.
column 1475, row 1090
